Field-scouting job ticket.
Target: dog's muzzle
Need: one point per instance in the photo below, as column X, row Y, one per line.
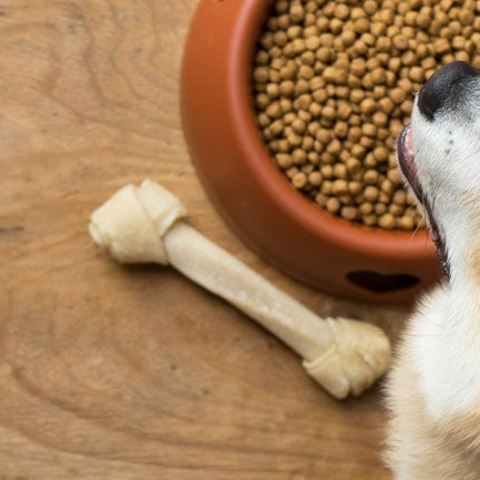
column 406, row 161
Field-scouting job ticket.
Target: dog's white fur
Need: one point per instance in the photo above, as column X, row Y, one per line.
column 433, row 393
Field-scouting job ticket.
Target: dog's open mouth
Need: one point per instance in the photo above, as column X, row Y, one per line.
column 406, row 160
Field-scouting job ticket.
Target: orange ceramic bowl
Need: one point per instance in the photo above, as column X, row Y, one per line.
column 255, row 198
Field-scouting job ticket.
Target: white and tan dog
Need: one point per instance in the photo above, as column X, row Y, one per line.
column 433, row 393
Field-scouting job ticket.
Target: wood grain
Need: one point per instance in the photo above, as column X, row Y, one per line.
column 108, row 372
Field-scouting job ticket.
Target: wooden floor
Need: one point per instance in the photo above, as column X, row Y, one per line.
column 108, row 372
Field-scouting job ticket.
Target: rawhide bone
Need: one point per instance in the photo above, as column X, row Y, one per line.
column 145, row 224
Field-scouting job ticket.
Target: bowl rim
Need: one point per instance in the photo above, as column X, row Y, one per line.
column 372, row 241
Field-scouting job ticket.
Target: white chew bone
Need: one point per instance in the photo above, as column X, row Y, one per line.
column 143, row 224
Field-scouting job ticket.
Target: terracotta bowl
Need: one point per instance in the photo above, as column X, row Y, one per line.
column 254, row 197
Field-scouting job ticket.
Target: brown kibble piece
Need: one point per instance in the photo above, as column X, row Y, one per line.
column 340, row 187
column 299, row 180
column 387, row 221
column 371, row 193
column 315, row 178
column 284, row 161
column 333, row 205
column 406, row 222
column 370, row 177
column 333, row 84
column 297, row 12
column 349, row 213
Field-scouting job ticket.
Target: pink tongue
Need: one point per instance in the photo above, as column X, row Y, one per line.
column 409, row 142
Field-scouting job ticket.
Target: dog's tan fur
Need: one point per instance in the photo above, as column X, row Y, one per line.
column 418, row 447
column 433, row 391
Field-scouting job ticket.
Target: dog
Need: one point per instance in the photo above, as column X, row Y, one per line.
column 433, row 389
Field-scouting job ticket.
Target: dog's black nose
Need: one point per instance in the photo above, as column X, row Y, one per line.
column 441, row 85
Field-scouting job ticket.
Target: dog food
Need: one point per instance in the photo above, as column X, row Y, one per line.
column 333, row 83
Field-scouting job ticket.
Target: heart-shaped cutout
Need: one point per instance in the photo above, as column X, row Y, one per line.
column 379, row 283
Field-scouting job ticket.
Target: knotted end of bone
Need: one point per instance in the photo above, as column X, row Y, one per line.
column 359, row 356
column 132, row 223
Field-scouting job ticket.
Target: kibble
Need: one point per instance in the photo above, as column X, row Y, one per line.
column 332, row 88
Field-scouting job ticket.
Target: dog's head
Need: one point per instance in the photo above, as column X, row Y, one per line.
column 439, row 155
